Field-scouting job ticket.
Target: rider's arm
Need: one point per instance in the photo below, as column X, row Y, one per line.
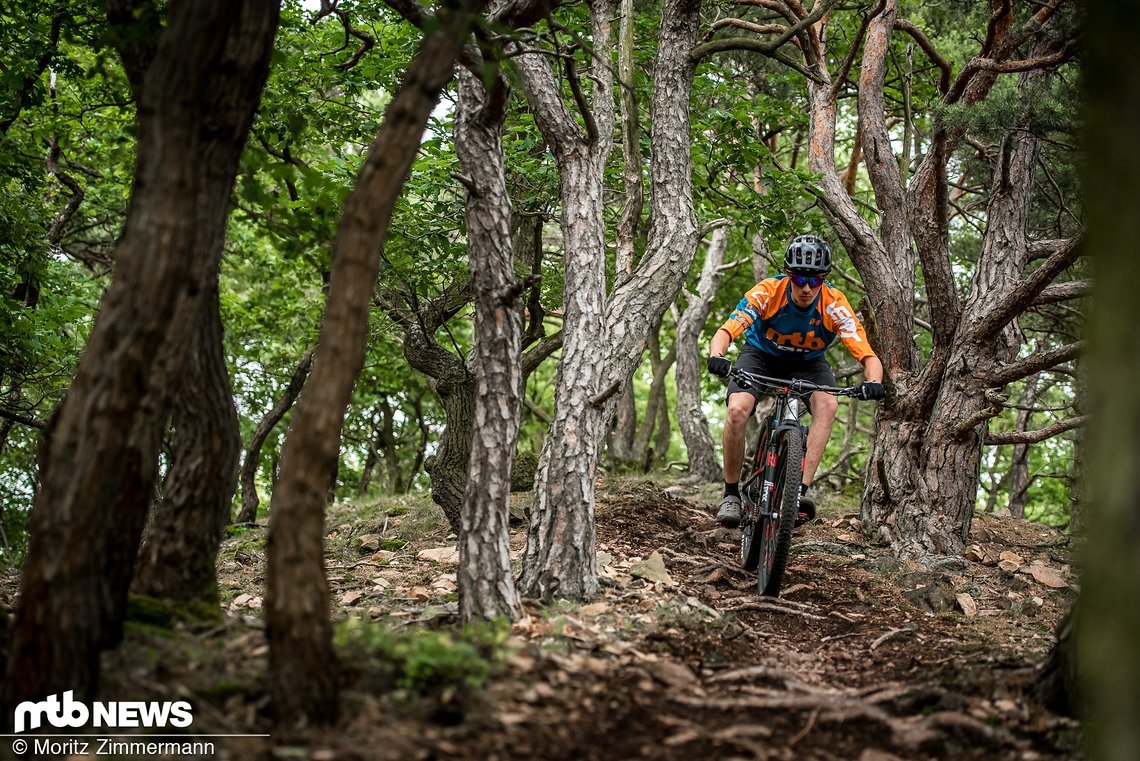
column 721, row 340
column 872, row 369
column 753, row 307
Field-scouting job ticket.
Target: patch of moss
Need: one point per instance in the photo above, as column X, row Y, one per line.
column 523, row 470
column 393, row 545
column 423, row 661
column 151, row 612
column 219, row 693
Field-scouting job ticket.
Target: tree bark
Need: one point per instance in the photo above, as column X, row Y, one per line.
column 1019, row 479
column 703, row 463
column 179, row 553
column 252, row 457
column 619, row 450
column 1108, row 621
column 486, row 585
column 656, row 396
column 99, row 465
column 302, row 664
column 559, row 560
column 923, row 486
column 600, row 350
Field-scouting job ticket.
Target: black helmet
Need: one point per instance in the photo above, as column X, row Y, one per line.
column 808, row 254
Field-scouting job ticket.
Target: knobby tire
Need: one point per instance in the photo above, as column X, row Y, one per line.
column 775, row 537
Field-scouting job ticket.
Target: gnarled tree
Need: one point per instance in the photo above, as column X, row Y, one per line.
column 603, row 338
column 922, row 473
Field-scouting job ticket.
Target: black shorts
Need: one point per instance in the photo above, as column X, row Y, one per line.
column 752, row 360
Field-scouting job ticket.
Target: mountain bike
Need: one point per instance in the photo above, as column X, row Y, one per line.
column 770, row 496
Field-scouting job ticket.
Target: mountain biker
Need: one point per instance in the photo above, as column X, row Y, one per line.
column 788, row 321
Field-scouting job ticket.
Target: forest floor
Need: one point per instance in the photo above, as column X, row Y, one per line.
column 861, row 658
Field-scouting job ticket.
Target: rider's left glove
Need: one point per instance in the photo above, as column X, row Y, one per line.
column 869, row 390
column 719, row 366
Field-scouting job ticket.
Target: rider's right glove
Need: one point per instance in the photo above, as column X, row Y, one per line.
column 871, row 390
column 719, row 366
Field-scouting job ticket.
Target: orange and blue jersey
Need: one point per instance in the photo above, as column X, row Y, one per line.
column 777, row 327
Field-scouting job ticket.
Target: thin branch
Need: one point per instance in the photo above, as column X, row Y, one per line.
column 1020, row 297
column 1063, row 292
column 1015, row 371
column 580, row 99
column 845, row 69
column 931, row 52
column 1033, row 437
column 16, row 417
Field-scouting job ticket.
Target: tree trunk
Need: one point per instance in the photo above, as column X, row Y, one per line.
column 559, row 558
column 98, row 467
column 1108, row 620
column 486, row 586
column 703, row 463
column 631, row 170
column 455, row 388
column 1019, row 479
column 656, row 396
column 600, row 350
column 302, row 663
column 179, row 553
column 252, row 458
column 619, row 450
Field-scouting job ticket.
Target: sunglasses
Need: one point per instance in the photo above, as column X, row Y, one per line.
column 811, row 281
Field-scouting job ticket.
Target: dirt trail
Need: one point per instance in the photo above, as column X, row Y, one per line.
column 678, row 657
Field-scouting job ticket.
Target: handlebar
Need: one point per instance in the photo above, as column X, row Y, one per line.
column 796, row 386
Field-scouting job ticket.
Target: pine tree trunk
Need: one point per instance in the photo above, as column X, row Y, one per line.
column 252, row 457
column 180, row 549
column 1108, row 619
column 1019, row 480
column 303, row 674
column 655, row 398
column 486, row 585
column 619, row 450
column 448, row 466
column 703, row 463
column 562, row 563
column 99, row 465
column 602, row 342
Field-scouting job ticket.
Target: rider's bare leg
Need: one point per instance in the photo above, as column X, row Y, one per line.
column 823, row 409
column 740, row 406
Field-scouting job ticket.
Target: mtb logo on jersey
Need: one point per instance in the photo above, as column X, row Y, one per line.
column 796, row 341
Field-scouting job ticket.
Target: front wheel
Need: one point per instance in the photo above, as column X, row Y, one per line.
column 775, row 533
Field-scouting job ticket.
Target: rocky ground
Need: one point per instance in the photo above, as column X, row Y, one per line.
column 678, row 658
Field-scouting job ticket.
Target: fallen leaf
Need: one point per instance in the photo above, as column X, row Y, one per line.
column 440, row 554
column 382, row 556
column 967, row 604
column 511, row 718
column 594, row 609
column 652, row 569
column 1009, row 566
column 681, row 738
column 351, row 598
column 1050, row 577
column 673, row 674
column 1013, row 557
column 976, row 553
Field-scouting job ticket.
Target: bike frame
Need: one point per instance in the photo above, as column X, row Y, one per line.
column 785, row 416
